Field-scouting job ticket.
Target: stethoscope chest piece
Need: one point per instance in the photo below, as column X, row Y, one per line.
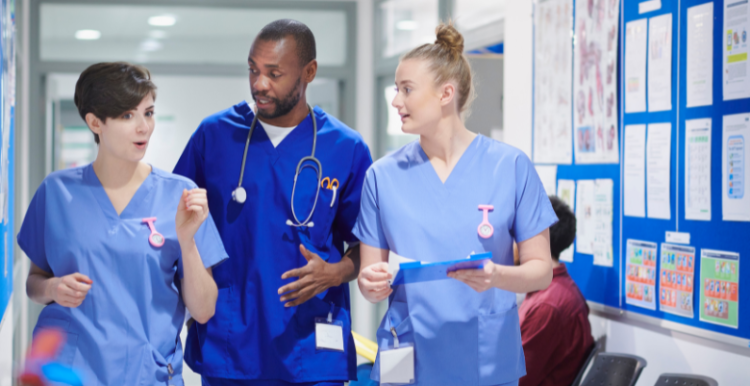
column 239, row 195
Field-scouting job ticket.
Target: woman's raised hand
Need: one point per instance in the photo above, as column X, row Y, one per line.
column 191, row 212
column 373, row 282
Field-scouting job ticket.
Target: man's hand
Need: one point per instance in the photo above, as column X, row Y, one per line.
column 314, row 278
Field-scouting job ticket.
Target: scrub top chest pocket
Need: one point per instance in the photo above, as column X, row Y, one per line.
column 321, row 211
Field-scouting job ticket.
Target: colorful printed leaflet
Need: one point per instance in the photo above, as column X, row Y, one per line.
column 640, row 280
column 720, row 277
column 676, row 279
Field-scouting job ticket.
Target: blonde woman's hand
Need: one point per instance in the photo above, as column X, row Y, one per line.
column 480, row 279
column 373, row 282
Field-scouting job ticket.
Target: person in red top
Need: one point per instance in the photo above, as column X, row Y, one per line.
column 555, row 327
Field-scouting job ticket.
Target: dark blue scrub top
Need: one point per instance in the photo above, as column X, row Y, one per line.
column 252, row 335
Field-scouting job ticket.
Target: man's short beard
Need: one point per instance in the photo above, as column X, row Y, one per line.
column 283, row 106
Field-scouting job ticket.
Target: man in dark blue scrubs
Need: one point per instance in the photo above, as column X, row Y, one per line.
column 283, row 313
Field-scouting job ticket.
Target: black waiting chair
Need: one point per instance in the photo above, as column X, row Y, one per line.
column 685, row 380
column 596, row 348
column 614, row 370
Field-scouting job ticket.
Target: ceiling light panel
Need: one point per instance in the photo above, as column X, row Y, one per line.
column 88, row 34
column 199, row 35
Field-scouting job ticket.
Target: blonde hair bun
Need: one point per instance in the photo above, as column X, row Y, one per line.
column 449, row 38
column 447, row 61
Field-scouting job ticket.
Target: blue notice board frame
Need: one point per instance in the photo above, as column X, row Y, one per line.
column 606, row 286
column 7, row 150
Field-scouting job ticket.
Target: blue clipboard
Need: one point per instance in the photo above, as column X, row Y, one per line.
column 417, row 271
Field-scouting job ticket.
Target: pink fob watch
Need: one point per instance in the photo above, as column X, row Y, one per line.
column 485, row 229
column 156, row 239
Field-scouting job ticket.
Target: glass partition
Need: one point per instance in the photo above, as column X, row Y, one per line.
column 407, row 24
column 159, row 34
column 180, row 108
column 392, row 138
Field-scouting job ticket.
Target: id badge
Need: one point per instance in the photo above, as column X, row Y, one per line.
column 397, row 364
column 329, row 334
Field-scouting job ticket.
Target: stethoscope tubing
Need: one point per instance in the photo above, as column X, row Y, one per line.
column 300, row 166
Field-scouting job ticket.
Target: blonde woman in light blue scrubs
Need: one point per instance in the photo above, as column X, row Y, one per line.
column 441, row 198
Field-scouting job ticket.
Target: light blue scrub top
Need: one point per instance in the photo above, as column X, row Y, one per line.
column 127, row 329
column 253, row 336
column 461, row 337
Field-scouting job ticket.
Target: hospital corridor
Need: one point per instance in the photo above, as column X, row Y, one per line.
column 374, row 192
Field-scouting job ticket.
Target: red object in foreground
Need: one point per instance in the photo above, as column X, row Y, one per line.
column 46, row 344
column 44, row 349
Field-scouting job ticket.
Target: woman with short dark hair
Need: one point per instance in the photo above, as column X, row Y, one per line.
column 119, row 248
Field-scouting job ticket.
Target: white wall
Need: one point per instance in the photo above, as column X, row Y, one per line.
column 666, row 351
column 674, row 352
column 517, row 75
column 363, row 312
column 6, row 346
column 19, row 308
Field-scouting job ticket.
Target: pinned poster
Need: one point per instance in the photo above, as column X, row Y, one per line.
column 698, row 169
column 720, row 287
column 660, row 63
column 635, row 171
column 735, row 198
column 658, row 170
column 735, row 60
column 676, row 278
column 635, row 65
column 566, row 191
column 594, row 220
column 640, row 277
column 595, row 82
column 602, row 243
column 548, row 175
column 553, row 77
column 585, row 216
column 700, row 55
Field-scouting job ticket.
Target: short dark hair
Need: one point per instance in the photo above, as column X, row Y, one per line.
column 109, row 89
column 563, row 233
column 303, row 37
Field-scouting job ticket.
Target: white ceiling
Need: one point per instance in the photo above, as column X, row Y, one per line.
column 473, row 14
column 200, row 35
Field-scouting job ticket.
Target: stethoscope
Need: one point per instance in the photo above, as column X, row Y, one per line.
column 239, row 194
